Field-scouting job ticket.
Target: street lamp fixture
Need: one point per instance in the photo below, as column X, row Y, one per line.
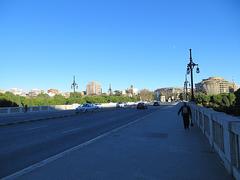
column 198, row 70
column 190, row 66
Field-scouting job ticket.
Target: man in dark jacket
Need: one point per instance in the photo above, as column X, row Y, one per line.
column 186, row 114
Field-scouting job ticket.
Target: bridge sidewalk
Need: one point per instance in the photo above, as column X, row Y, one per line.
column 155, row 147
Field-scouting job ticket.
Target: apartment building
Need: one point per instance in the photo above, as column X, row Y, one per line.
column 94, row 88
column 215, row 85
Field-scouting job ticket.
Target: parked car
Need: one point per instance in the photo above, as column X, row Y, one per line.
column 141, row 106
column 120, row 105
column 156, row 103
column 86, row 107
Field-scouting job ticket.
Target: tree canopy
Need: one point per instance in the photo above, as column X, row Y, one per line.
column 10, row 100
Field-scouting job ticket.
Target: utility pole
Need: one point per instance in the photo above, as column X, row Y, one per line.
column 190, row 68
column 74, row 85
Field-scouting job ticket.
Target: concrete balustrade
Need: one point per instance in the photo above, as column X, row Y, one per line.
column 222, row 132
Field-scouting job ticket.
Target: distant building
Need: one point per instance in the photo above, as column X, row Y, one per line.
column 215, row 85
column 53, row 92
column 163, row 94
column 66, row 94
column 123, row 92
column 2, row 91
column 16, row 91
column 94, row 88
column 132, row 91
column 35, row 92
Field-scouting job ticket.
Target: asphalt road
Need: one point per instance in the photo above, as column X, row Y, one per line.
column 25, row 144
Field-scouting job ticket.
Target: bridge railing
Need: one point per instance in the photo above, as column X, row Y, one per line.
column 223, row 134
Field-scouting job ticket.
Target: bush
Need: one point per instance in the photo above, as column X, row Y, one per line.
column 222, row 102
column 237, row 94
column 225, row 101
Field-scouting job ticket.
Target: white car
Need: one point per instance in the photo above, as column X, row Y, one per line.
column 120, row 105
column 98, row 105
column 86, row 107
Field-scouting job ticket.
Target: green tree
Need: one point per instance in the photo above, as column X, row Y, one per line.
column 75, row 95
column 225, row 101
column 232, row 98
column 181, row 96
column 117, row 93
column 202, row 99
column 237, row 95
column 216, row 100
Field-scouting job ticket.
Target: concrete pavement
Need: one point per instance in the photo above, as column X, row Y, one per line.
column 154, row 147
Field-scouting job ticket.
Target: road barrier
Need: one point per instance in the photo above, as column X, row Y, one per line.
column 223, row 134
column 32, row 109
column 17, row 110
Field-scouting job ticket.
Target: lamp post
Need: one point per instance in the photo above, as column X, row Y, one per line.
column 74, row 85
column 190, row 68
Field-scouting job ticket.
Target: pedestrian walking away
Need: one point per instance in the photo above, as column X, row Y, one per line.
column 186, row 112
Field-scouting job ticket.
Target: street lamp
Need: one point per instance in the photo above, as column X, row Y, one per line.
column 190, row 68
column 74, row 85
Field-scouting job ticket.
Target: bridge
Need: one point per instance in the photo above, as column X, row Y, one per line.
column 123, row 143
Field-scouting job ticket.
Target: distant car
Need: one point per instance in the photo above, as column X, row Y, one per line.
column 141, row 106
column 86, row 107
column 156, row 104
column 120, row 105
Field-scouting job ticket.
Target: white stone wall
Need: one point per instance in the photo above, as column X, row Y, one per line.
column 223, row 134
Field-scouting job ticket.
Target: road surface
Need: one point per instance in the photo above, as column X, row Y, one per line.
column 25, row 144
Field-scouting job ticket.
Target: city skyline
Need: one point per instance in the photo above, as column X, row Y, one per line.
column 141, row 43
column 112, row 88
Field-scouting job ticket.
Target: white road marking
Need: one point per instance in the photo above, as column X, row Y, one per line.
column 60, row 155
column 71, row 130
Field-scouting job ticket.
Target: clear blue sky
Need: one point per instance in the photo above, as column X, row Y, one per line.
column 43, row 43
